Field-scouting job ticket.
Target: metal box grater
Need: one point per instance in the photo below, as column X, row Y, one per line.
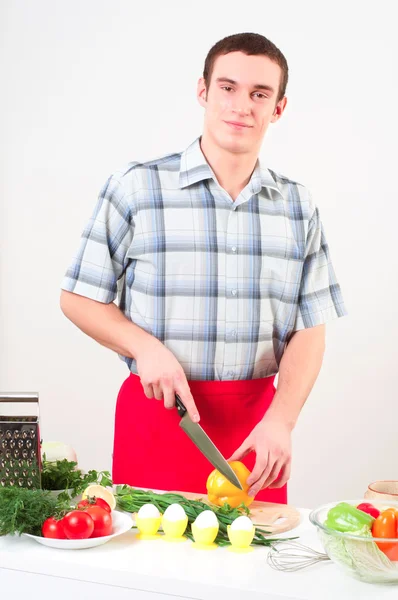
column 20, row 458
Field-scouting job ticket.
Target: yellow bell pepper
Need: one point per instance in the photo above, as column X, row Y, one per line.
column 220, row 491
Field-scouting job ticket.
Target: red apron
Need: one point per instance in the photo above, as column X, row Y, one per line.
column 151, row 451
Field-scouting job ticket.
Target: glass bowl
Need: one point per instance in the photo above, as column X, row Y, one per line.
column 359, row 555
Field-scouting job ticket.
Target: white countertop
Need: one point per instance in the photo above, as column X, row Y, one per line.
column 128, row 568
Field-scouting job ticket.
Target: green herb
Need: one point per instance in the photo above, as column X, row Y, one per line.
column 24, row 511
column 64, row 475
column 131, row 500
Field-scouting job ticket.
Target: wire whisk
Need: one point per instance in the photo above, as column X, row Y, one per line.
column 293, row 556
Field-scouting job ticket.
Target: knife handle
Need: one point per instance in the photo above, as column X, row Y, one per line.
column 180, row 406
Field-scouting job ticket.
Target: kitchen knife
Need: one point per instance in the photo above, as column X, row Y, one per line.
column 205, row 445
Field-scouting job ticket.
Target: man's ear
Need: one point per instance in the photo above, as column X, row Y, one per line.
column 201, row 92
column 279, row 109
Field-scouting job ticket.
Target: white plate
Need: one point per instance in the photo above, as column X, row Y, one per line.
column 121, row 522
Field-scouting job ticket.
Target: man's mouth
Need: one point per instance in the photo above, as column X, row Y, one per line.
column 237, row 125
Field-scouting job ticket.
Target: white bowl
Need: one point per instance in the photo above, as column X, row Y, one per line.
column 121, row 522
column 382, row 490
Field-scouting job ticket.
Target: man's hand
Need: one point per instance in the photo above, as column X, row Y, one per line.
column 271, row 438
column 271, row 441
column 162, row 376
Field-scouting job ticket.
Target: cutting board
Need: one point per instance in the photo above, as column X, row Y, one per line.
column 275, row 518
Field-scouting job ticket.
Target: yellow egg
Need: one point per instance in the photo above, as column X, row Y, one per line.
column 148, row 527
column 174, row 530
column 204, row 536
column 240, row 539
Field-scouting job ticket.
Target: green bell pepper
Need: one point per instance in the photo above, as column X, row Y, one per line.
column 346, row 518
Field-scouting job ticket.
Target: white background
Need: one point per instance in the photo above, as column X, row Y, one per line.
column 88, row 86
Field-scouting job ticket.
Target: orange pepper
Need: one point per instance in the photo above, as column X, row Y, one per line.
column 385, row 526
column 392, row 552
column 220, row 491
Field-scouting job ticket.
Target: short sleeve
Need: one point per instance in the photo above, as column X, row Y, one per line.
column 320, row 298
column 101, row 257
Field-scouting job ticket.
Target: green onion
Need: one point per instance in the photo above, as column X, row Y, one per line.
column 131, row 500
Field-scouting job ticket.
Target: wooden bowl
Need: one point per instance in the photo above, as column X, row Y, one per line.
column 382, row 490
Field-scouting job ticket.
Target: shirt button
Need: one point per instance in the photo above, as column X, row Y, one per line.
column 234, row 292
column 231, row 373
column 233, row 248
column 233, row 332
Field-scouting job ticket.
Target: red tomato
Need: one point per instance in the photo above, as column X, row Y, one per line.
column 369, row 509
column 78, row 525
column 53, row 529
column 102, row 521
column 94, row 501
column 385, row 526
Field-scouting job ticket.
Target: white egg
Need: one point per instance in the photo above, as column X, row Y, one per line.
column 242, row 523
column 205, row 519
column 148, row 511
column 174, row 512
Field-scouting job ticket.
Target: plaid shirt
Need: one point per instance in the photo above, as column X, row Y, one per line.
column 223, row 284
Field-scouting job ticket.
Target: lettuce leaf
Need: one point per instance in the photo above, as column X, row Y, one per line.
column 362, row 558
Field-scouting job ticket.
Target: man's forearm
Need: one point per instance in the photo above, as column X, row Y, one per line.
column 105, row 323
column 298, row 371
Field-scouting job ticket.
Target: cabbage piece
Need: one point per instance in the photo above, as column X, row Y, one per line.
column 362, row 558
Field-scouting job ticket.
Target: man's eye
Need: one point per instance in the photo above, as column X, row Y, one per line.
column 227, row 87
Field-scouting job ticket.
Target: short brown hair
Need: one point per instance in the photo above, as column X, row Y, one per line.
column 250, row 44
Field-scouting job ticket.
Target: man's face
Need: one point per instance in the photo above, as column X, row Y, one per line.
column 241, row 100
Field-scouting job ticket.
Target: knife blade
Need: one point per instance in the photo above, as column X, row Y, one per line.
column 200, row 438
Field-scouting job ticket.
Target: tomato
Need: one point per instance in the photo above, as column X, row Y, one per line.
column 94, row 501
column 53, row 529
column 78, row 525
column 385, row 526
column 369, row 509
column 102, row 521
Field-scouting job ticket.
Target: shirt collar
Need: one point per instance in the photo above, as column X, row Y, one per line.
column 194, row 167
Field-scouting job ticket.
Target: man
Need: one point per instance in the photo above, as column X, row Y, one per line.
column 224, row 280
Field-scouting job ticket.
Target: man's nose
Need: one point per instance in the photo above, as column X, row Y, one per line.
column 241, row 103
column 241, row 108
